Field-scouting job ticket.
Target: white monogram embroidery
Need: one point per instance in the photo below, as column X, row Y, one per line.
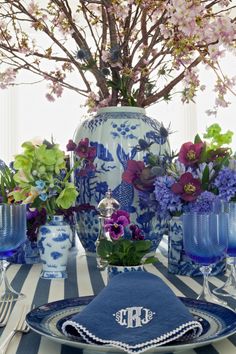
column 133, row 317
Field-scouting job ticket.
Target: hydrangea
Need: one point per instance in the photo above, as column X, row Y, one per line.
column 168, row 201
column 205, row 203
column 225, row 183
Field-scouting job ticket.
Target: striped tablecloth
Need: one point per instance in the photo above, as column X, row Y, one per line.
column 85, row 279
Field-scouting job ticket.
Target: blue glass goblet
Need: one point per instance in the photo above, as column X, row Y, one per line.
column 229, row 288
column 205, row 238
column 12, row 235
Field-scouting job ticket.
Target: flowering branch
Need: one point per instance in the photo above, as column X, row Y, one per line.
column 129, row 52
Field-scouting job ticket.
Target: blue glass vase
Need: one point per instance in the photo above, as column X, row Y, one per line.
column 178, row 262
column 115, row 132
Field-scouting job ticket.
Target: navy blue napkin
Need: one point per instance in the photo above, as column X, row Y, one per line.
column 135, row 312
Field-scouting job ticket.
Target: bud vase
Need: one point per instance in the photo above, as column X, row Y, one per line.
column 115, row 132
column 54, row 242
column 178, row 262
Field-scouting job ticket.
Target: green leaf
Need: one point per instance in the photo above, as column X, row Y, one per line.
column 205, row 178
column 67, row 197
column 150, row 260
column 197, row 139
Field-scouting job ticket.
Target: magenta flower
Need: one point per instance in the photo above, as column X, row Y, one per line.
column 116, row 224
column 85, row 151
column 121, row 213
column 190, row 153
column 82, row 148
column 92, row 151
column 71, row 146
column 188, row 187
column 136, row 233
column 115, row 230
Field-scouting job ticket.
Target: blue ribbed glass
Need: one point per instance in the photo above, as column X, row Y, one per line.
column 205, row 236
column 12, row 228
column 232, row 230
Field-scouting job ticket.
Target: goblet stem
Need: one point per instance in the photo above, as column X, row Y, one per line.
column 206, row 293
column 229, row 288
column 8, row 294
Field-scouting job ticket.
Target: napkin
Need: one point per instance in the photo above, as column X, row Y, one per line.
column 135, row 312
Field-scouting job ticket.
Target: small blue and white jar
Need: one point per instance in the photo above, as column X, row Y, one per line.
column 113, row 270
column 54, row 242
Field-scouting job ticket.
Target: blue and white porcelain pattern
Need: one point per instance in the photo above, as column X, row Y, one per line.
column 113, row 270
column 54, row 242
column 178, row 262
column 115, row 132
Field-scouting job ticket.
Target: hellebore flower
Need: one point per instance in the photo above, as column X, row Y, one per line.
column 139, row 176
column 188, row 187
column 190, row 153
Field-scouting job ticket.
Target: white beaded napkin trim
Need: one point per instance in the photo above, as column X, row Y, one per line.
column 165, row 338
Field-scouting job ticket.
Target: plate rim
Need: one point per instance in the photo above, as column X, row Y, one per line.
column 107, row 348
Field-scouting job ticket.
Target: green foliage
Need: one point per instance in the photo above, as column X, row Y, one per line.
column 123, row 252
column 42, row 177
column 7, row 183
column 217, row 139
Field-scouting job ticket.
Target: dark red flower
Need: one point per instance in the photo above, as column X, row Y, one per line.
column 190, row 153
column 188, row 187
column 82, row 148
column 92, row 151
column 133, row 171
column 70, row 145
column 138, row 175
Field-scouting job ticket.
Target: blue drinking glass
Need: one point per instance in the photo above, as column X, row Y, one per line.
column 229, row 288
column 205, row 238
column 12, row 235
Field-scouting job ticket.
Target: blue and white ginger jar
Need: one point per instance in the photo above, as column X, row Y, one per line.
column 115, row 132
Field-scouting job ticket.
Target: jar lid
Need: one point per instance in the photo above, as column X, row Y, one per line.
column 108, row 205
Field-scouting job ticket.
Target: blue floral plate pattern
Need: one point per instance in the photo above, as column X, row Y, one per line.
column 218, row 323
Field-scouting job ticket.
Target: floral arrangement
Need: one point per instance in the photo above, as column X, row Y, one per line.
column 43, row 174
column 191, row 181
column 124, row 244
column 128, row 52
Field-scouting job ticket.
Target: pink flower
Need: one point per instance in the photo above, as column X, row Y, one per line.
column 188, row 187
column 190, row 153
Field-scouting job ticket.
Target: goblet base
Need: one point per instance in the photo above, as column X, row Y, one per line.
column 206, row 293
column 229, row 288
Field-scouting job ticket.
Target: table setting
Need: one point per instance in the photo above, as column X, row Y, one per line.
column 125, row 296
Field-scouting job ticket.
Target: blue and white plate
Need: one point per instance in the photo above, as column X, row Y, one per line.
column 218, row 323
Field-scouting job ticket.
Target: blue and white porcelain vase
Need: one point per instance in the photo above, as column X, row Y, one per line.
column 113, row 270
column 54, row 242
column 178, row 262
column 115, row 132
